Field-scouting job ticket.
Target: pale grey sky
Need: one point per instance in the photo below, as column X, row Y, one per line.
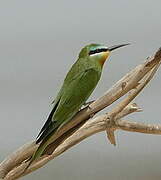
column 39, row 41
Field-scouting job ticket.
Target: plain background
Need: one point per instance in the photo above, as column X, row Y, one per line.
column 39, row 41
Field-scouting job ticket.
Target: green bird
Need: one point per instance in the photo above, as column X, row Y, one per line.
column 78, row 85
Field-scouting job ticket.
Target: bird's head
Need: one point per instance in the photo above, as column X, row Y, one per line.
column 98, row 52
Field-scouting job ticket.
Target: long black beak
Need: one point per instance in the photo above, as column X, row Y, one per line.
column 117, row 46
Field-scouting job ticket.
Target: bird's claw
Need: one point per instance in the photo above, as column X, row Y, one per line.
column 86, row 104
column 89, row 107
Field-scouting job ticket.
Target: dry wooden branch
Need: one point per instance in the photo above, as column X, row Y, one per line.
column 79, row 128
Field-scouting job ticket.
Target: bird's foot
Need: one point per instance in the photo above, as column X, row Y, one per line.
column 86, row 104
column 91, row 110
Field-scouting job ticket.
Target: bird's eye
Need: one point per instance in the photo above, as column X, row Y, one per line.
column 92, row 52
column 96, row 51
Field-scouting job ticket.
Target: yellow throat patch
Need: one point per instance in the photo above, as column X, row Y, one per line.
column 104, row 56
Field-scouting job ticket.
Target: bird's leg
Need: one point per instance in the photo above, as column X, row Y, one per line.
column 92, row 114
column 89, row 107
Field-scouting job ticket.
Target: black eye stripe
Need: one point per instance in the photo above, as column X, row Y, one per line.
column 97, row 51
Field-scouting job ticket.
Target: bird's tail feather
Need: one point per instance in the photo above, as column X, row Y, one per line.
column 39, row 151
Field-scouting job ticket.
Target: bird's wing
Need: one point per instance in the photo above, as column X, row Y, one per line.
column 73, row 95
column 71, row 99
column 49, row 119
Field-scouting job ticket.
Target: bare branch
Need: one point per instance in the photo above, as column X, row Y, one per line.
column 79, row 128
column 139, row 127
column 91, row 127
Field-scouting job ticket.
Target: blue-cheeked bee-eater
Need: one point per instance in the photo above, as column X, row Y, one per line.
column 78, row 85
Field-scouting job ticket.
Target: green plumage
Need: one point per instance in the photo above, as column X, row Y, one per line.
column 78, row 85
